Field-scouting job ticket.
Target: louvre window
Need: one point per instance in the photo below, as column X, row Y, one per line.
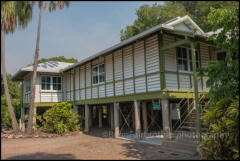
column 98, row 74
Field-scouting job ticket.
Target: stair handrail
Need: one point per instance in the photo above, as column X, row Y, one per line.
column 189, row 112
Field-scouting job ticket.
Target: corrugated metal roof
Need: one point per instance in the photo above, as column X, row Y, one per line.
column 49, row 67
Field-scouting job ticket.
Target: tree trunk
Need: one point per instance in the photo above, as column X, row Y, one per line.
column 9, row 103
column 31, row 108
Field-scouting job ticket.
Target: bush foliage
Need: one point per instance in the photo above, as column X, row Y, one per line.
column 60, row 118
column 222, row 116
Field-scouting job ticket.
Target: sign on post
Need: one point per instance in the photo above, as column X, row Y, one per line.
column 156, row 106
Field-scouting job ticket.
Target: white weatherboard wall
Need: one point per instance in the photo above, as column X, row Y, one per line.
column 152, row 63
column 129, row 61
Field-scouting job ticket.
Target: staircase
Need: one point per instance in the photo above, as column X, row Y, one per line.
column 188, row 121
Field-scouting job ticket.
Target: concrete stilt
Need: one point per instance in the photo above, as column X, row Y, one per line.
column 112, row 116
column 100, row 116
column 22, row 120
column 144, row 114
column 166, row 116
column 116, row 120
column 137, row 119
column 86, row 118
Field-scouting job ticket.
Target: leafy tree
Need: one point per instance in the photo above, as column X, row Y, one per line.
column 199, row 10
column 222, row 116
column 13, row 14
column 15, row 95
column 150, row 16
column 60, row 118
column 50, row 6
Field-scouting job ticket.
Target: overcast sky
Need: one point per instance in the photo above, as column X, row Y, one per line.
column 79, row 31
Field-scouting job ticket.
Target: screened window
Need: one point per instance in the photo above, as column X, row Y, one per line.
column 57, row 83
column 184, row 59
column 45, row 82
column 95, row 75
column 101, row 73
column 98, row 74
column 28, row 85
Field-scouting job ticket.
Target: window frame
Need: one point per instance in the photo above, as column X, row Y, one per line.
column 51, row 84
column 28, row 85
column 57, row 83
column 188, row 50
column 98, row 74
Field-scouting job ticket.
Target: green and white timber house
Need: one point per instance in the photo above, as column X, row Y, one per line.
column 145, row 83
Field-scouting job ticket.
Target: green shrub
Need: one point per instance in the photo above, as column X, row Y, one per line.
column 60, row 118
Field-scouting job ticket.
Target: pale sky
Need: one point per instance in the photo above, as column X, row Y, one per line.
column 79, row 31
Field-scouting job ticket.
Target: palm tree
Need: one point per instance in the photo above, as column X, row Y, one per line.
column 51, row 6
column 13, row 13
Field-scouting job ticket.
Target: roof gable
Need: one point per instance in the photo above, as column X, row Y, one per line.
column 185, row 24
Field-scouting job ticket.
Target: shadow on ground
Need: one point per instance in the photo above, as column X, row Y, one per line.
column 104, row 132
column 42, row 156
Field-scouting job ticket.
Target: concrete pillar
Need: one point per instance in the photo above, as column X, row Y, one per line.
column 86, row 118
column 112, row 116
column 100, row 116
column 75, row 108
column 144, row 114
column 22, row 126
column 165, row 116
column 116, row 120
column 137, row 119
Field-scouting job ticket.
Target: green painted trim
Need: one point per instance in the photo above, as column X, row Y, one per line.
column 175, row 44
column 142, row 96
column 200, row 64
column 123, row 73
column 134, row 86
column 145, row 65
column 177, row 66
column 161, row 62
column 190, row 78
column 44, row 104
column 105, row 78
column 196, row 91
column 113, row 74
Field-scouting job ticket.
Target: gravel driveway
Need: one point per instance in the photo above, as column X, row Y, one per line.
column 82, row 146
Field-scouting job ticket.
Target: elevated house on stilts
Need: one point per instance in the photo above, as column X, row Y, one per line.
column 144, row 84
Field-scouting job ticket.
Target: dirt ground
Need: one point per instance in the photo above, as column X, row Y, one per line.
column 82, row 146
